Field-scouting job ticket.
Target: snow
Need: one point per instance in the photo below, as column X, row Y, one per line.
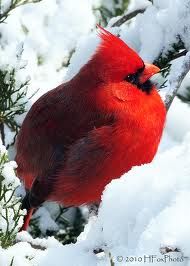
column 5, row 5
column 138, row 4
column 7, row 169
column 48, row 213
column 163, row 193
column 84, row 50
column 45, row 220
column 147, row 208
column 3, row 151
column 158, row 28
column 9, row 174
column 176, row 118
column 48, row 40
column 9, row 182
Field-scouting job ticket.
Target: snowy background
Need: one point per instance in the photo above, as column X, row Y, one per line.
column 147, row 209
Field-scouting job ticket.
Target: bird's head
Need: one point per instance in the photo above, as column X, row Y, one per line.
column 116, row 62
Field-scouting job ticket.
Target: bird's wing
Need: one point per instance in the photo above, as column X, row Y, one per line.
column 37, row 148
column 87, row 168
column 65, row 180
column 53, row 134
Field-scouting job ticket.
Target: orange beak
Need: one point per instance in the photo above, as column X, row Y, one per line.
column 148, row 72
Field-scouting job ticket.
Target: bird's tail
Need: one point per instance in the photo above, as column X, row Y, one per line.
column 27, row 220
column 26, row 205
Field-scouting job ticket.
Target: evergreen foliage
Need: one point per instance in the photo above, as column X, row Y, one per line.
column 11, row 214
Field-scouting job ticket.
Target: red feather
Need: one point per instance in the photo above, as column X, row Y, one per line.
column 79, row 136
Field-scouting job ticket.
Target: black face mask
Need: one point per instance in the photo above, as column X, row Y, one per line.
column 134, row 79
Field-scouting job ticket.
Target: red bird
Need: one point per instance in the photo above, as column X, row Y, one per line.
column 79, row 136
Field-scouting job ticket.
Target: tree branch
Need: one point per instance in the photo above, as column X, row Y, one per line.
column 182, row 53
column 2, row 133
column 128, row 16
column 35, row 246
column 13, row 5
column 174, row 84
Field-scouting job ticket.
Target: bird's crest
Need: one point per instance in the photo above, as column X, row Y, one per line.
column 114, row 43
column 113, row 59
column 104, row 34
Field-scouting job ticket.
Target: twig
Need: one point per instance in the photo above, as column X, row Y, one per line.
column 111, row 260
column 176, row 83
column 165, row 250
column 182, row 53
column 13, row 5
column 2, row 133
column 128, row 16
column 35, row 246
column 12, row 261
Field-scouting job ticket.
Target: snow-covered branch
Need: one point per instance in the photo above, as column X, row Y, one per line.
column 128, row 16
column 7, row 6
column 176, row 80
column 11, row 215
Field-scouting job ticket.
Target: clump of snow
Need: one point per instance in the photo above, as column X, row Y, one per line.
column 3, row 151
column 84, row 50
column 45, row 221
column 177, row 125
column 44, row 243
column 9, row 174
column 138, row 4
column 7, row 169
column 158, row 28
column 11, row 217
column 5, row 5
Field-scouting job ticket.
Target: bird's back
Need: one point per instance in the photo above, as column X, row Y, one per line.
column 54, row 122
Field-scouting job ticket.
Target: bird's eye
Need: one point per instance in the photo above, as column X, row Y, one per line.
column 131, row 78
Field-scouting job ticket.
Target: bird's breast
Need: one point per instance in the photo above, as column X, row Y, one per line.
column 137, row 133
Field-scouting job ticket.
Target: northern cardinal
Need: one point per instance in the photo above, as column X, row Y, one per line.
column 79, row 136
